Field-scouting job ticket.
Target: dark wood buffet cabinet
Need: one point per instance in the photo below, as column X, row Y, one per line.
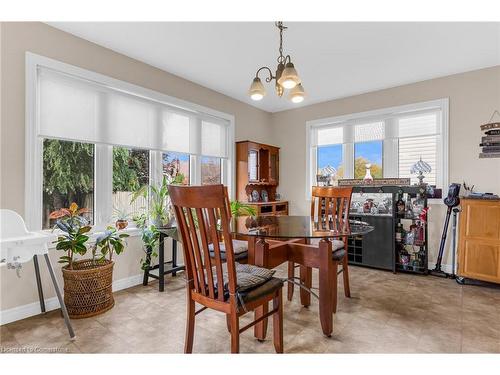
column 257, row 173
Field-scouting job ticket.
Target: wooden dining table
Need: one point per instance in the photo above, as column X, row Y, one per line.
column 274, row 240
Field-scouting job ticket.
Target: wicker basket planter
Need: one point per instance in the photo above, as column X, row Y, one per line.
column 88, row 288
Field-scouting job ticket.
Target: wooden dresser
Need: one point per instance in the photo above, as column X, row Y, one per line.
column 257, row 170
column 479, row 240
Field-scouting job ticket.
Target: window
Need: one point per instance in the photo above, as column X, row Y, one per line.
column 419, row 138
column 391, row 140
column 174, row 164
column 412, row 149
column 130, row 173
column 68, row 176
column 94, row 140
column 210, row 171
column 368, row 153
column 330, row 160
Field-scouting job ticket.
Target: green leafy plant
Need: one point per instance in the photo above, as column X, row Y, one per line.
column 109, row 243
column 242, row 209
column 74, row 226
column 149, row 236
column 121, row 214
column 157, row 196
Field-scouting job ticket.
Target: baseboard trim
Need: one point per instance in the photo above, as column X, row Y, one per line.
column 32, row 309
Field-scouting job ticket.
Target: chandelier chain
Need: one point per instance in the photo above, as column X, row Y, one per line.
column 281, row 58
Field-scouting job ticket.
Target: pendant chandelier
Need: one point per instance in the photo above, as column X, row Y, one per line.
column 286, row 77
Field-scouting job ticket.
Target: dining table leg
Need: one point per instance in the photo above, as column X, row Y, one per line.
column 260, row 253
column 326, row 276
column 306, row 281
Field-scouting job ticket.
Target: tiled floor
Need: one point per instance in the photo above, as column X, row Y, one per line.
column 387, row 314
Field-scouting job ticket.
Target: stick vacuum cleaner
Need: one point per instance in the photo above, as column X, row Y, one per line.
column 451, row 201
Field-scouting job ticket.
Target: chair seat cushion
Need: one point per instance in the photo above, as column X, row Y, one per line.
column 237, row 257
column 338, row 254
column 247, row 276
column 238, row 247
column 336, row 244
column 269, row 287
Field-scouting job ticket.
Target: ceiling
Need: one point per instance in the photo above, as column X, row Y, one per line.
column 334, row 60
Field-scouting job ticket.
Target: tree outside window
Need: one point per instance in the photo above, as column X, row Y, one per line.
column 368, row 153
column 68, row 176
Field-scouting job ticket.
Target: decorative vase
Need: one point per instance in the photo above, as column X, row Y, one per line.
column 368, row 176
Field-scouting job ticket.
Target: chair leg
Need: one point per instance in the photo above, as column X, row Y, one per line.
column 278, row 322
column 260, row 329
column 188, row 344
column 291, row 275
column 228, row 322
column 345, row 273
column 335, row 286
column 235, row 333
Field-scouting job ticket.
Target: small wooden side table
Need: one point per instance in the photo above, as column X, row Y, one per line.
column 164, row 268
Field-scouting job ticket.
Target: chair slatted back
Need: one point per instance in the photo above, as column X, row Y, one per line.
column 331, row 205
column 202, row 219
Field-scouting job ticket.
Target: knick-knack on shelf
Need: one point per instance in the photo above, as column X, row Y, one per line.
column 368, row 176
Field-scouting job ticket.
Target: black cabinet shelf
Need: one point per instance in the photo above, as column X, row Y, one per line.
column 379, row 249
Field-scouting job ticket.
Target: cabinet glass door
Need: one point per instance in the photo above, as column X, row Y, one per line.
column 253, row 165
column 273, row 166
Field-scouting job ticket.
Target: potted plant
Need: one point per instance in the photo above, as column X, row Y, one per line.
column 87, row 282
column 159, row 210
column 242, row 209
column 122, row 216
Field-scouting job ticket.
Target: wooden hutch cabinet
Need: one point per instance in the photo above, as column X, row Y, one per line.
column 257, row 169
column 479, row 240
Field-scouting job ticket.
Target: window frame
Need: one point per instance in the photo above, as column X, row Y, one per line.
column 103, row 171
column 390, row 157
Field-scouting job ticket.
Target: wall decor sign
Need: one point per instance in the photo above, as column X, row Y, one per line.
column 376, row 182
column 490, row 143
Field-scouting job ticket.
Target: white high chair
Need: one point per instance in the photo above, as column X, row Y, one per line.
column 18, row 246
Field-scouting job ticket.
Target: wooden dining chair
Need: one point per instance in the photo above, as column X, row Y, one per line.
column 227, row 287
column 329, row 205
column 240, row 245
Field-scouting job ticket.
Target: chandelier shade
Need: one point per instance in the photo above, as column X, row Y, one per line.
column 257, row 90
column 297, row 94
column 289, row 78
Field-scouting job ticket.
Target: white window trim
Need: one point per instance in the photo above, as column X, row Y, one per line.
column 34, row 145
column 374, row 115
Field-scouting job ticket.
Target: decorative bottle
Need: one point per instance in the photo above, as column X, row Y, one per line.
column 368, row 176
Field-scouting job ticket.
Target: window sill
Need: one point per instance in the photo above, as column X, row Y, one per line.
column 132, row 232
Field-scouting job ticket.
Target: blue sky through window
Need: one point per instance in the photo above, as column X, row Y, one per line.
column 330, row 155
column 169, row 156
column 371, row 151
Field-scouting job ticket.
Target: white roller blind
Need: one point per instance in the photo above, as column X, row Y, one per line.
column 130, row 121
column 423, row 124
column 329, row 136
column 177, row 133
column 213, row 139
column 369, row 132
column 81, row 110
column 68, row 108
